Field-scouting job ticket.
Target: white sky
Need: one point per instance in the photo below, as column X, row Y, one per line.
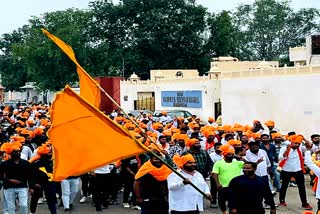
column 15, row 13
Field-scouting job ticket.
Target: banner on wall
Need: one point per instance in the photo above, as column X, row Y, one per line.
column 187, row 99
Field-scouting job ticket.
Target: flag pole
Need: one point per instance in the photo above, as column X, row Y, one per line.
column 153, row 153
column 72, row 57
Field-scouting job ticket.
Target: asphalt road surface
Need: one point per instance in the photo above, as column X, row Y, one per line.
column 293, row 200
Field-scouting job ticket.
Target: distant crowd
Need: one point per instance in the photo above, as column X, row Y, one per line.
column 238, row 168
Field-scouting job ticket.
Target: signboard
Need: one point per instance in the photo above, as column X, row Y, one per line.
column 187, row 99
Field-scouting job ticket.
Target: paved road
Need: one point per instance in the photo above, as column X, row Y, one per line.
column 292, row 200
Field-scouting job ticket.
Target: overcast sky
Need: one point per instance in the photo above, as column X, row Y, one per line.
column 15, row 13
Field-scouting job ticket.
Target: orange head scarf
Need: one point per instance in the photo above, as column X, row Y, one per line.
column 296, row 139
column 226, row 149
column 233, row 142
column 182, row 160
column 210, row 119
column 161, row 174
column 192, row 141
column 269, row 123
column 274, row 135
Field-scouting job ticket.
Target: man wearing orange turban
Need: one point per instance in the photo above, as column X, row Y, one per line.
column 182, row 197
column 223, row 172
column 203, row 160
column 43, row 169
column 18, row 174
column 292, row 165
column 151, row 188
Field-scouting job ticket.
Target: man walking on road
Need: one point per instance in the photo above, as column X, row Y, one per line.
column 247, row 191
column 183, row 198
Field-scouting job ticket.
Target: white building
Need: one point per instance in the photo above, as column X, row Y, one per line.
column 247, row 90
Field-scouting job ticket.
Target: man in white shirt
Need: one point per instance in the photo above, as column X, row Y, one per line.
column 183, row 198
column 101, row 189
column 292, row 164
column 165, row 118
column 259, row 156
column 312, row 166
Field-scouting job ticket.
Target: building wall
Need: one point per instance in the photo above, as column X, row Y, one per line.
column 209, row 88
column 292, row 101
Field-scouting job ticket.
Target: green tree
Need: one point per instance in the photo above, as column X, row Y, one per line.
column 268, row 28
column 223, row 35
column 45, row 63
column 12, row 68
column 151, row 34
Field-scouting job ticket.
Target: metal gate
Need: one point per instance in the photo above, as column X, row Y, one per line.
column 142, row 103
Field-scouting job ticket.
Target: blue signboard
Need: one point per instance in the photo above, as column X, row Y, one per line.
column 187, row 99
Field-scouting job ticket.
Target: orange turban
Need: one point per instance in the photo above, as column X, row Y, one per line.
column 27, row 132
column 256, row 135
column 210, row 133
column 226, row 149
column 269, row 123
column 9, row 147
column 182, row 160
column 38, row 131
column 220, row 128
column 157, row 125
column 274, row 135
column 234, row 142
column 43, row 149
column 296, row 138
column 182, row 137
column 190, row 142
column 167, row 133
column 164, row 113
column 30, row 122
column 43, row 122
column 210, row 119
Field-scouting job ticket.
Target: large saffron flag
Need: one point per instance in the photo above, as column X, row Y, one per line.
column 84, row 138
column 89, row 88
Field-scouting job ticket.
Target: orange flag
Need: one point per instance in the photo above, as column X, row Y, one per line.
column 89, row 88
column 84, row 139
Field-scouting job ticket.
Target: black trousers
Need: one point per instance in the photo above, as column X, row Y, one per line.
column 222, row 198
column 155, row 207
column 50, row 193
column 101, row 191
column 299, row 177
column 213, row 190
column 86, row 185
column 116, row 182
column 128, row 181
column 185, row 212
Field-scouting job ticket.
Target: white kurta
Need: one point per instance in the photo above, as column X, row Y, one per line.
column 184, row 197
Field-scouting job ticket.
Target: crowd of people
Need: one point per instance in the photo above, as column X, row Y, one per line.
column 238, row 168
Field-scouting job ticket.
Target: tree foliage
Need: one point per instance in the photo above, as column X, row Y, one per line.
column 149, row 34
column 268, row 28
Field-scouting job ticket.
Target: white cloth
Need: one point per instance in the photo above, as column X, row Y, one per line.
column 313, row 149
column 185, row 197
column 262, row 166
column 104, row 170
column 165, row 119
column 26, row 153
column 293, row 161
column 314, row 168
column 215, row 157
